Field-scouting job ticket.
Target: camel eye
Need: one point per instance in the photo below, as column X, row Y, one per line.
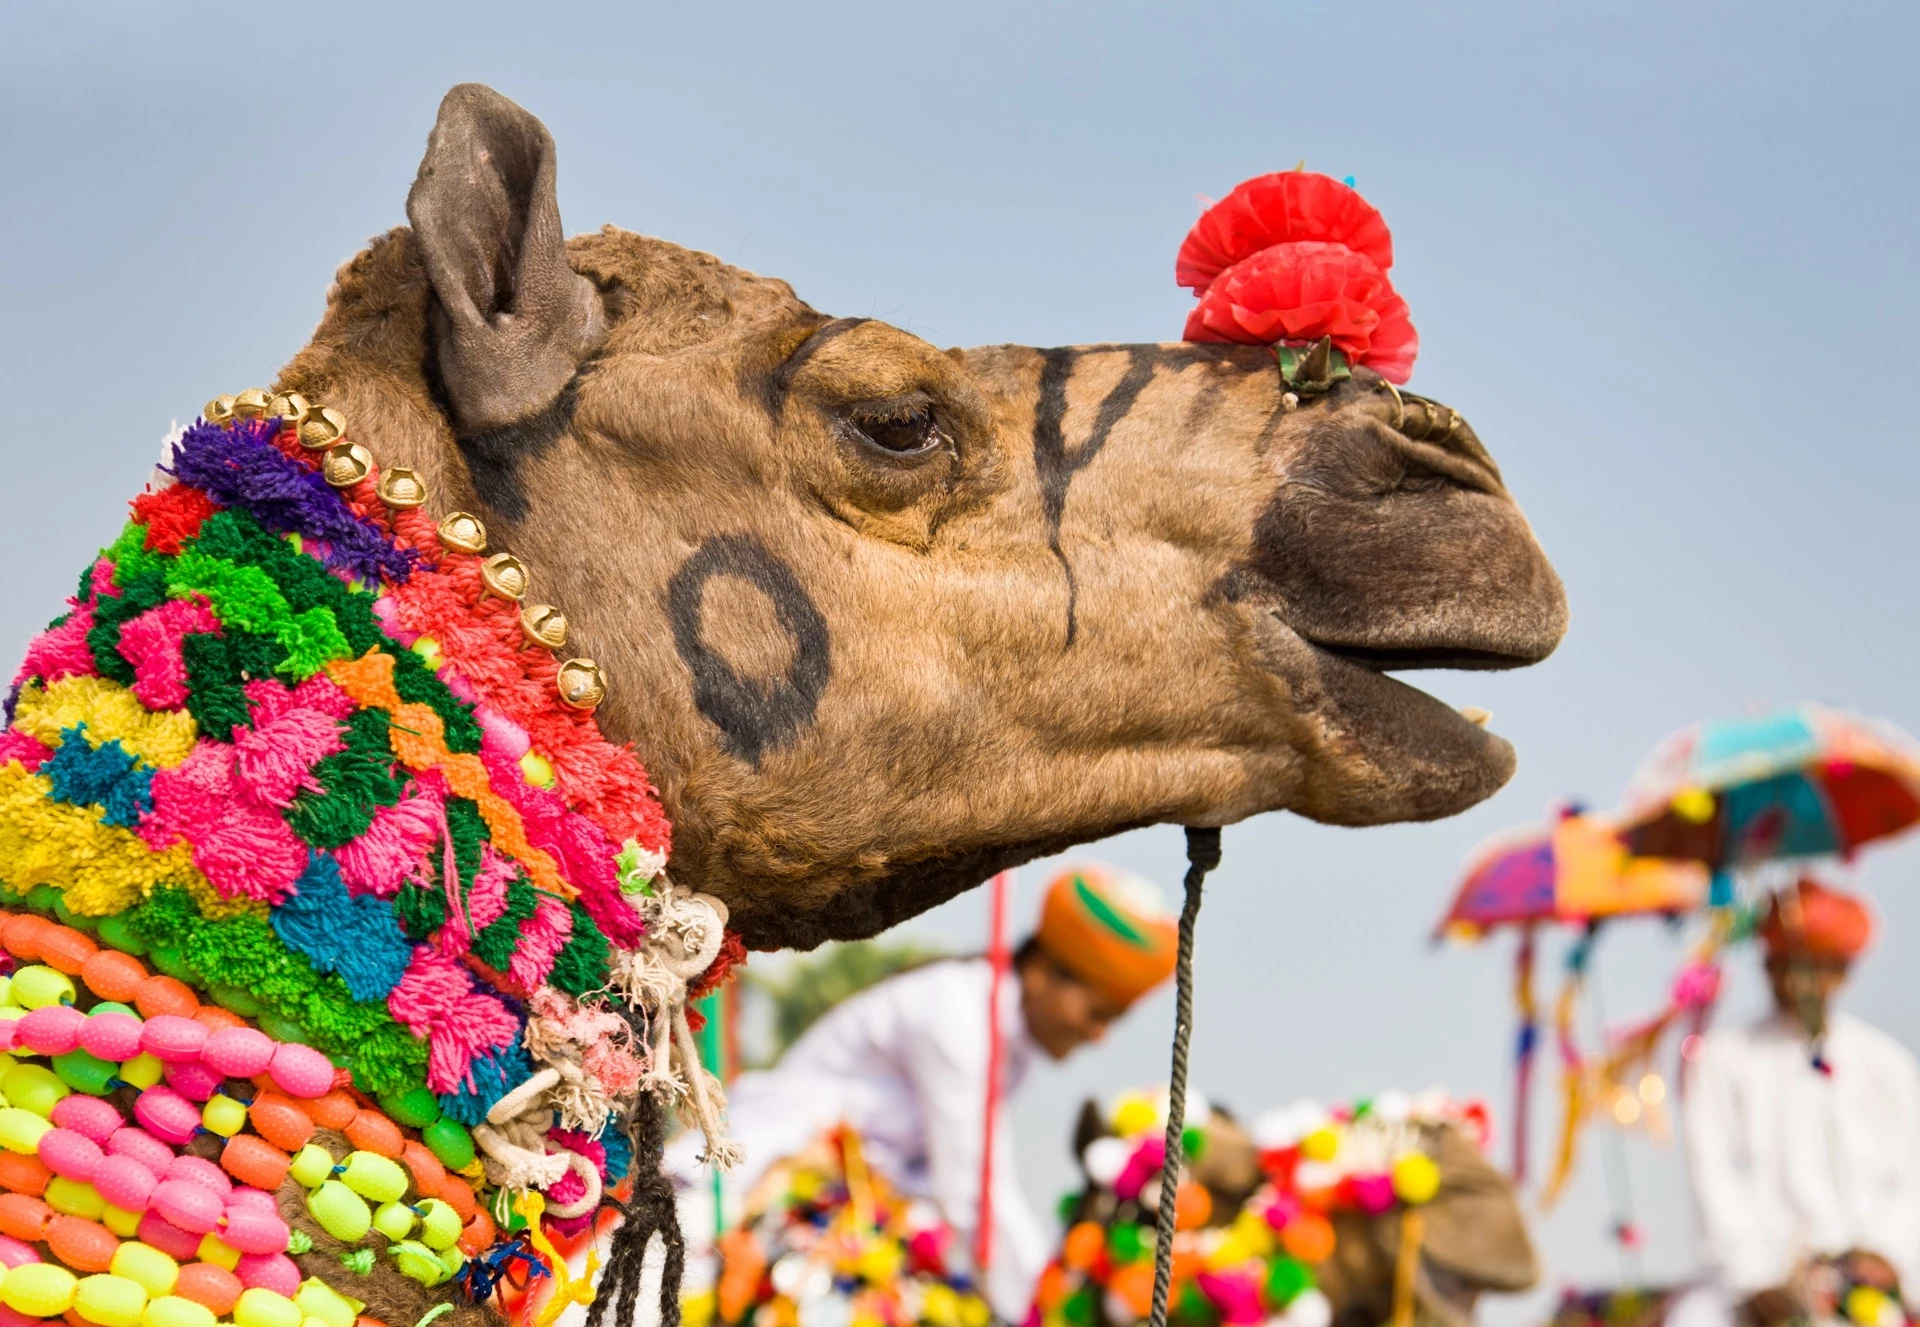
column 903, row 430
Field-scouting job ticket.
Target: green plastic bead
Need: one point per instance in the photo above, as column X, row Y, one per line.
column 282, row 1029
column 239, row 1001
column 116, row 932
column 173, row 962
column 223, row 1115
column 413, row 1109
column 7, row 895
column 37, row 986
column 439, row 1224
column 33, row 1087
column 74, row 1197
column 374, row 1177
column 44, row 898
column 453, row 1259
column 312, row 1166
column 449, row 1142
column 418, row 1261
column 113, row 1007
column 69, row 917
column 142, row 1071
column 1287, row 1278
column 1126, row 1242
column 394, row 1220
column 341, row 1212
column 319, row 1300
column 20, row 1130
column 110, row 1301
column 85, row 1072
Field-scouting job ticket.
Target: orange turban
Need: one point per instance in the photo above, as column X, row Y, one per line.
column 1110, row 929
column 1830, row 925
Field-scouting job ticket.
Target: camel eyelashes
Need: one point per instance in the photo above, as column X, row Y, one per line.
column 901, row 429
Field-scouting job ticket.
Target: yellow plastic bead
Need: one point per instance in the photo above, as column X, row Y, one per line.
column 154, row 1270
column 110, row 1301
column 20, row 1130
column 1134, row 1115
column 537, row 770
column 6, row 990
column 33, row 1087
column 340, row 1211
column 1320, row 1145
column 429, row 651
column 1416, row 1179
column 176, row 1311
column 120, row 1221
column 319, row 1300
column 37, row 986
column 374, row 1177
column 221, row 1255
column 223, row 1115
column 74, row 1197
column 260, row 1307
column 394, row 1220
column 142, row 1071
column 439, row 1224
column 312, row 1166
column 417, row 1261
column 38, row 1289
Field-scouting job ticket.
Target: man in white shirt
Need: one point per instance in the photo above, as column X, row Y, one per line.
column 1803, row 1130
column 904, row 1062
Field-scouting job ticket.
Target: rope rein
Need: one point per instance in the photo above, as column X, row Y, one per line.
column 1203, row 854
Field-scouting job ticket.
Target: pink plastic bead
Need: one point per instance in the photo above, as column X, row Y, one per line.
column 111, row 1036
column 238, row 1052
column 65, row 1152
column 15, row 1254
column 301, row 1071
column 180, row 1245
column 132, row 1141
column 193, row 1079
column 198, row 1170
column 124, row 1182
column 54, row 1030
column 11, row 1317
column 246, row 1196
column 267, row 1271
column 87, row 1115
column 192, row 1207
column 166, row 1114
column 9, row 1033
column 250, row 1230
column 171, row 1037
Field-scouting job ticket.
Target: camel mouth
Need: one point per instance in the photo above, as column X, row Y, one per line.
column 1424, row 658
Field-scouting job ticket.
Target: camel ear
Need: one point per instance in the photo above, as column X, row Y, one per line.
column 513, row 320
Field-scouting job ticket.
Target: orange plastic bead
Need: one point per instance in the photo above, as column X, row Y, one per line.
column 1192, row 1205
column 73, row 1319
column 1132, row 1285
column 66, row 950
column 23, row 1217
column 1308, row 1237
column 370, row 1131
column 83, row 1245
column 278, row 1120
column 165, row 995
column 335, row 1110
column 21, row 935
column 209, row 1284
column 456, row 1193
column 255, row 1161
column 112, row 975
column 428, row 1174
column 214, row 1018
column 364, row 1321
column 477, row 1236
column 23, row 1174
column 1083, row 1245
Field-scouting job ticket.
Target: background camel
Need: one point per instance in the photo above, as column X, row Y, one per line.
column 882, row 619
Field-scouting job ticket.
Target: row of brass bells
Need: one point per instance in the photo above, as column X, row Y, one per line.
column 582, row 686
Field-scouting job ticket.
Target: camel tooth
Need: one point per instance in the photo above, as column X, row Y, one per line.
column 1473, row 714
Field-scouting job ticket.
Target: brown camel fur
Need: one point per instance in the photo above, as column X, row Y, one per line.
column 881, row 618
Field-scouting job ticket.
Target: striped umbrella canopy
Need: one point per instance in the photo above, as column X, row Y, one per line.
column 1803, row 782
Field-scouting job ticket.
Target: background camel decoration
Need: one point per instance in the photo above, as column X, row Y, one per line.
column 882, row 619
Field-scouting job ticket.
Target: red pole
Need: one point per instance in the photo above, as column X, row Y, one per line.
column 997, row 960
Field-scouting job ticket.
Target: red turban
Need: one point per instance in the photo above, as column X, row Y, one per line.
column 1825, row 925
column 1110, row 929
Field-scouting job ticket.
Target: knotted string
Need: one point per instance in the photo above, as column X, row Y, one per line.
column 1203, row 854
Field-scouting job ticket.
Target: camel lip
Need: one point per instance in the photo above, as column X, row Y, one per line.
column 1416, row 658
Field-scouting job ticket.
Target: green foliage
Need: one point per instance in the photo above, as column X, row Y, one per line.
column 812, row 985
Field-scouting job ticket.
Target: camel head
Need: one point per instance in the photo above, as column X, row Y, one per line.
column 883, row 618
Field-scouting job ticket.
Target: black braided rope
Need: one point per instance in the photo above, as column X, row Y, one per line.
column 651, row 1210
column 1203, row 854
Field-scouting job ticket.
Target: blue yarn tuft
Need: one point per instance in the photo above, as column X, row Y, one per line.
column 107, row 776
column 494, row 1074
column 356, row 936
column 619, row 1148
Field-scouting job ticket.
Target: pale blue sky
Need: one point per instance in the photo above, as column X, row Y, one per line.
column 1661, row 254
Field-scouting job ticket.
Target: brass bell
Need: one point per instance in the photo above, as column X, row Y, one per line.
column 322, row 427
column 544, row 625
column 219, row 410
column 346, row 464
column 251, row 404
column 462, row 532
column 290, row 408
column 581, row 685
column 505, row 576
column 401, row 487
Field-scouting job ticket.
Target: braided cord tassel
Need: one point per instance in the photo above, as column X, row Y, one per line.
column 1203, row 854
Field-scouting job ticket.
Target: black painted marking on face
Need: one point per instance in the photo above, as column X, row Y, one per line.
column 494, row 456
column 754, row 715
column 1052, row 460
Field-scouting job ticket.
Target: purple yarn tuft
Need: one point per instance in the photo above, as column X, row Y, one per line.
column 241, row 467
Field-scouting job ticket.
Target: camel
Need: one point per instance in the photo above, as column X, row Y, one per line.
column 881, row 618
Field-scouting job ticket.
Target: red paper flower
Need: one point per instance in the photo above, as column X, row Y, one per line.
column 1304, row 291
column 1279, row 209
column 1294, row 257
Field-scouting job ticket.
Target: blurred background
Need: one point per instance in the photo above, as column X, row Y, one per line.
column 1660, row 254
